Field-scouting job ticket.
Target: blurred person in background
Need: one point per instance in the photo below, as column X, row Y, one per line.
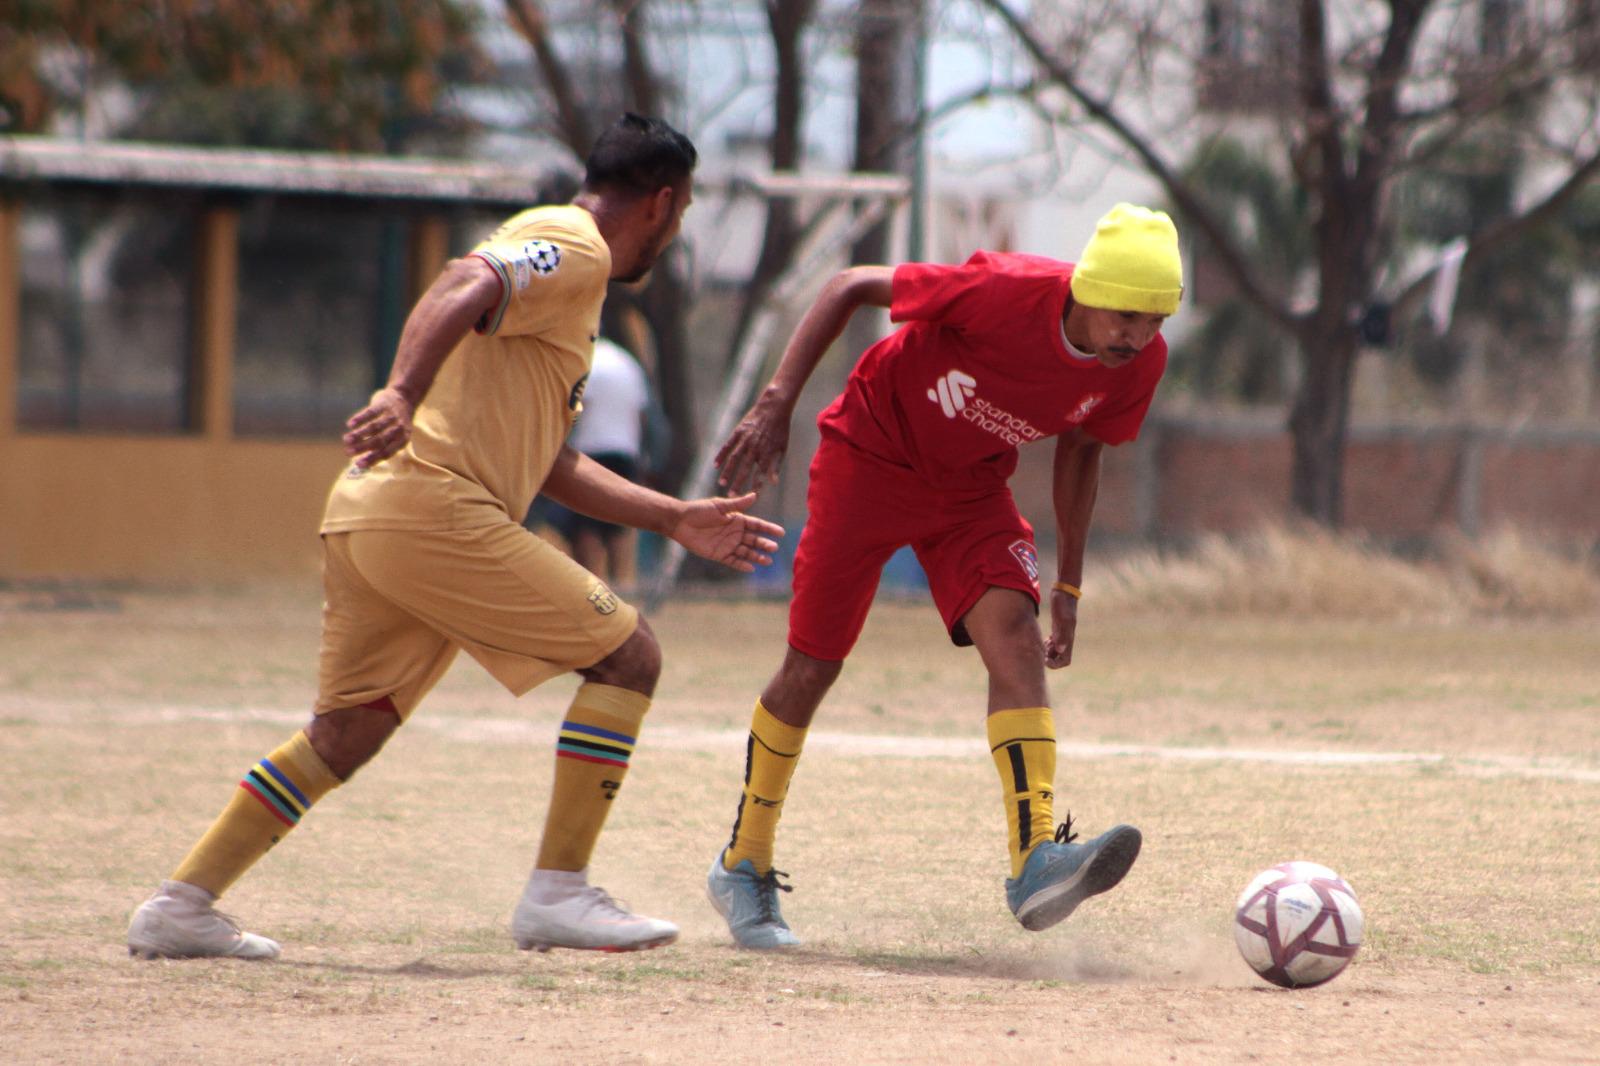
column 612, row 430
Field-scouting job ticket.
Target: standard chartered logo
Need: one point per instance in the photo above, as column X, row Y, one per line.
column 952, row 390
column 956, row 394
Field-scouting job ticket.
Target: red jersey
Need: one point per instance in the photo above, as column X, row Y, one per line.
column 981, row 367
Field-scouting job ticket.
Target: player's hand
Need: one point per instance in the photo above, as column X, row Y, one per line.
column 379, row 429
column 717, row 528
column 753, row 452
column 1063, row 628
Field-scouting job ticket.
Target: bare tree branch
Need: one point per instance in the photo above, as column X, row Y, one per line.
column 1274, row 306
column 1496, row 236
column 528, row 16
column 644, row 88
column 1322, row 124
column 1382, row 123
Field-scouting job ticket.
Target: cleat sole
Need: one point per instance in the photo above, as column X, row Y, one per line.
column 1102, row 873
column 611, row 949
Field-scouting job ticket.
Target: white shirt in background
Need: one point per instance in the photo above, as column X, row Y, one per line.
column 614, row 402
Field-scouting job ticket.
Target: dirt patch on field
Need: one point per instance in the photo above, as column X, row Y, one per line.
column 702, row 1002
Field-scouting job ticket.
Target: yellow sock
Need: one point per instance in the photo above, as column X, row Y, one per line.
column 1023, row 743
column 591, row 759
column 770, row 757
column 270, row 801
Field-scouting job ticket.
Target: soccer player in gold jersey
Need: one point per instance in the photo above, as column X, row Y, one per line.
column 425, row 554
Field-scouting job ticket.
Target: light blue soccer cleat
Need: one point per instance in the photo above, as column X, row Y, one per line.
column 749, row 902
column 1058, row 876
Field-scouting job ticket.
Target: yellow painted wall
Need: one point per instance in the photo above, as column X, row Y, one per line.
column 205, row 506
column 161, row 508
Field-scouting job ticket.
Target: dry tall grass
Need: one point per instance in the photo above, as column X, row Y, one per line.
column 1305, row 571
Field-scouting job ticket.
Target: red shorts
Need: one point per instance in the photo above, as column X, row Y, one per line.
column 862, row 511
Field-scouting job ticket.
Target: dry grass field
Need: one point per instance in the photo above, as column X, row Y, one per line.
column 1441, row 749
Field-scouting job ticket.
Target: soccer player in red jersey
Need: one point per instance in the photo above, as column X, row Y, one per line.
column 999, row 351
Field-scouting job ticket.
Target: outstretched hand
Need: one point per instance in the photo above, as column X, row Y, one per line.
column 750, row 457
column 379, row 429
column 717, row 528
column 1063, row 629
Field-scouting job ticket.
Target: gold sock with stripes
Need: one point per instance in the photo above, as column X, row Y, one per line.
column 771, row 753
column 1023, row 743
column 271, row 799
column 592, row 756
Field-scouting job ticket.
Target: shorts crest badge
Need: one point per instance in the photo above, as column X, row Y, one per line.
column 1027, row 558
column 602, row 599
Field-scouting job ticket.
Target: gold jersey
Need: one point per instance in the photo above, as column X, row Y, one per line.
column 486, row 435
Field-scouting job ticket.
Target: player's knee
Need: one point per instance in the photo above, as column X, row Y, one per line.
column 635, row 665
column 348, row 737
column 1004, row 625
column 807, row 677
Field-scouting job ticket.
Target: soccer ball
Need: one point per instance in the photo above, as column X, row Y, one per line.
column 1298, row 924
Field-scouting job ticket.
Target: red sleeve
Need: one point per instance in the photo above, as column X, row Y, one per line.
column 1118, row 421
column 935, row 292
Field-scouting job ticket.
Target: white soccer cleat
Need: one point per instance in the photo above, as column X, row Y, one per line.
column 587, row 919
column 179, row 922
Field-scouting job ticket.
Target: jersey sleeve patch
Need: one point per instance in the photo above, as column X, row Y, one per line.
column 536, row 259
column 532, row 259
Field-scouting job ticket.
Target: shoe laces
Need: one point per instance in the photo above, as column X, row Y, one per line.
column 1064, row 833
column 209, row 911
column 767, row 888
column 229, row 920
column 600, row 899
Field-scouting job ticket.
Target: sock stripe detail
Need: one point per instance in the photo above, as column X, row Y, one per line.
column 286, row 801
column 588, row 743
column 283, row 779
column 775, row 751
column 595, row 732
column 275, row 806
column 566, row 751
column 1019, row 767
column 1021, row 740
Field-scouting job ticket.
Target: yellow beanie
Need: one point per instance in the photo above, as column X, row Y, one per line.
column 1131, row 263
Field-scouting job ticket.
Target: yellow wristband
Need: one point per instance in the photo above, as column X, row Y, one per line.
column 1071, row 590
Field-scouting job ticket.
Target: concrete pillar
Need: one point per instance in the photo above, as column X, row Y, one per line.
column 10, row 315
column 429, row 251
column 1469, row 487
column 1147, row 481
column 216, row 296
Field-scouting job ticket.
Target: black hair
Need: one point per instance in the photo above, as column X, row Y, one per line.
column 638, row 155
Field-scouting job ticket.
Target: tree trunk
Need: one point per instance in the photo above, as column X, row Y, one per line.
column 886, row 100
column 787, row 20
column 663, row 303
column 1318, row 425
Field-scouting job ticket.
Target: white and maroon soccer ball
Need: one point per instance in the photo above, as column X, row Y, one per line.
column 1298, row 924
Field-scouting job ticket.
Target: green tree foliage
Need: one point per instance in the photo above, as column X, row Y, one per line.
column 357, row 75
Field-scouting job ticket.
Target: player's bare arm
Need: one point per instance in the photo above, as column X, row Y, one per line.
column 456, row 300
column 715, row 528
column 1075, row 483
column 751, row 455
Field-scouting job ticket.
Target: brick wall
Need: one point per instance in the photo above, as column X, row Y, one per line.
column 1184, row 477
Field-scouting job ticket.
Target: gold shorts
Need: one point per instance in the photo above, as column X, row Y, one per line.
column 399, row 604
